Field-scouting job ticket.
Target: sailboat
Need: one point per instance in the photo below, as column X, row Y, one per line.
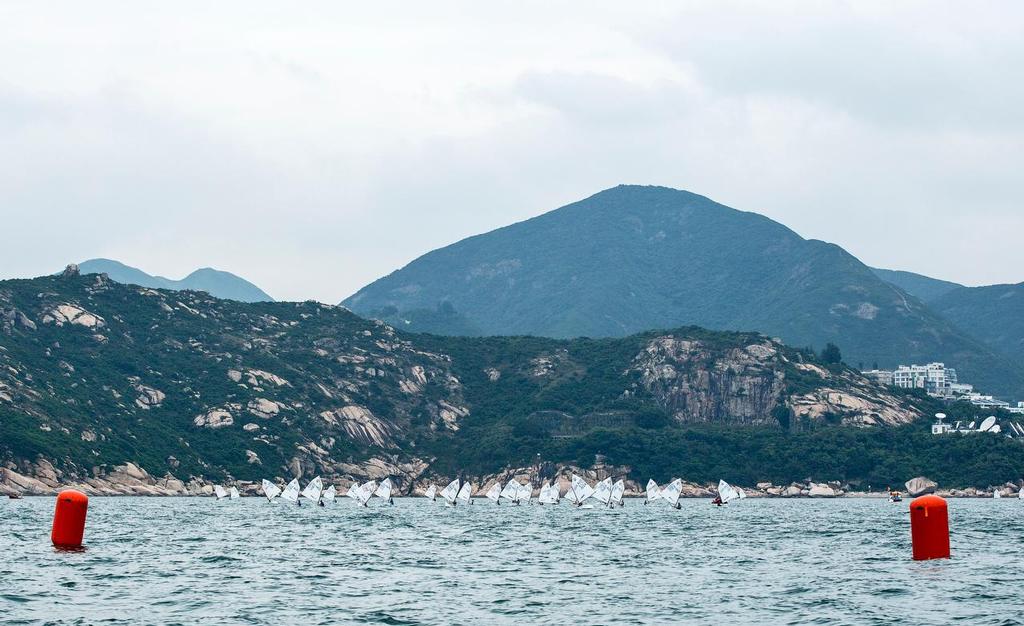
column 313, row 490
column 739, row 490
column 996, row 494
column 494, row 493
column 219, row 492
column 603, row 491
column 1020, row 494
column 450, row 492
column 329, row 493
column 544, row 497
column 431, row 493
column 511, row 492
column 671, row 493
column 234, row 493
column 525, row 493
column 580, row 491
column 291, row 492
column 653, row 491
column 365, row 492
column 466, row 493
column 270, row 490
column 618, row 489
column 726, row 492
column 384, row 491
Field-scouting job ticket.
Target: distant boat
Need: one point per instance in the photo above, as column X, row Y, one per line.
column 1020, row 494
column 653, row 491
column 465, row 494
column 671, row 493
column 579, row 491
column 329, row 494
column 618, row 489
column 219, row 492
column 603, row 492
column 494, row 493
column 14, row 496
column 511, row 492
column 525, row 493
column 726, row 492
column 384, row 491
column 234, row 493
column 431, row 492
column 291, row 492
column 270, row 490
column 365, row 492
column 450, row 492
column 996, row 494
column 313, row 490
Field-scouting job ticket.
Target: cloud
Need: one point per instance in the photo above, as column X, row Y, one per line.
column 313, row 151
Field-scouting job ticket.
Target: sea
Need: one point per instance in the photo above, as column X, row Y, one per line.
column 757, row 561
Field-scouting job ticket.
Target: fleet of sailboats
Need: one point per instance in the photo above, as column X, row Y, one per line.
column 580, row 493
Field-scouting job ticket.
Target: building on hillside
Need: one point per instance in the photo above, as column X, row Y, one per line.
column 882, row 377
column 985, row 402
column 934, row 378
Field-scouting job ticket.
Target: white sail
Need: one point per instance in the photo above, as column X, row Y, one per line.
column 329, row 494
column 653, row 491
column 494, row 493
column 449, row 492
column 465, row 493
column 291, row 491
column 996, row 494
column 353, row 491
column 219, row 492
column 570, row 495
column 603, row 491
column 525, row 492
column 270, row 490
column 234, row 492
column 511, row 491
column 384, row 490
column 366, row 491
column 313, row 489
column 726, row 492
column 618, row 489
column 742, row 494
column 1020, row 494
column 672, row 491
column 431, row 492
column 581, row 490
column 544, row 496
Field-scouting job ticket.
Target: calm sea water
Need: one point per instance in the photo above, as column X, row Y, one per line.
column 191, row 560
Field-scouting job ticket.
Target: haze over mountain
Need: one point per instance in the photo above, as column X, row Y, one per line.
column 923, row 287
column 214, row 282
column 636, row 258
column 994, row 314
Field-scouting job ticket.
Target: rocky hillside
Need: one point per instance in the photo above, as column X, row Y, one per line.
column 95, row 374
column 631, row 259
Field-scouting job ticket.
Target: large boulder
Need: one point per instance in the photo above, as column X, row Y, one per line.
column 821, row 491
column 920, row 486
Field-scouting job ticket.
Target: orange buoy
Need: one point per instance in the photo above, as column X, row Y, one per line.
column 69, row 519
column 929, row 528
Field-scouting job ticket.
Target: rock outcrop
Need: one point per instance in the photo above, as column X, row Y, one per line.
column 920, row 486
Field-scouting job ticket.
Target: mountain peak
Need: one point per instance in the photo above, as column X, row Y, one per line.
column 217, row 283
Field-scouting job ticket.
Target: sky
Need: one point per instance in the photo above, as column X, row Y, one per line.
column 313, row 148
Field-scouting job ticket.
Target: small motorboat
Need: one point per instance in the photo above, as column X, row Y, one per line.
column 14, row 496
column 894, row 496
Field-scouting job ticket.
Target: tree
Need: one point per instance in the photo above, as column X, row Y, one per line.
column 831, row 354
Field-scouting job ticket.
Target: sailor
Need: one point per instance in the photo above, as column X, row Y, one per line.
column 717, row 501
column 391, row 501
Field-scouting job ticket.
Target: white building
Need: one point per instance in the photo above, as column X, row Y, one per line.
column 935, row 378
column 882, row 377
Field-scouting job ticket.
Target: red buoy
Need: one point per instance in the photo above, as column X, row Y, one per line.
column 929, row 528
column 69, row 519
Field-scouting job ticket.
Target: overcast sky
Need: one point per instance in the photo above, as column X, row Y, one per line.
column 313, row 150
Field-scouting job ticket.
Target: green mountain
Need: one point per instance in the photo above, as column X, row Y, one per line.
column 994, row 314
column 922, row 287
column 217, row 283
column 635, row 258
column 95, row 374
